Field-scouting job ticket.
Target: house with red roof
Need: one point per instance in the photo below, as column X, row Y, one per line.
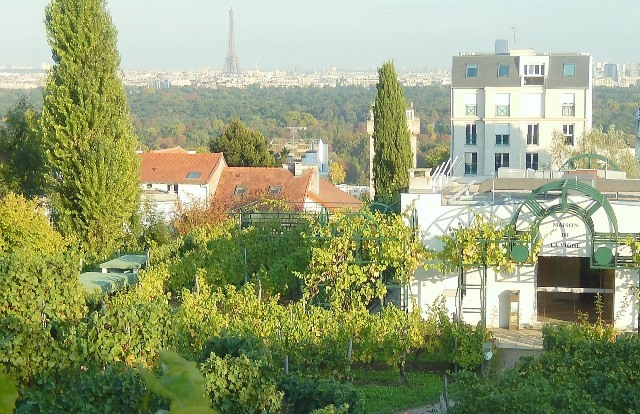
column 176, row 176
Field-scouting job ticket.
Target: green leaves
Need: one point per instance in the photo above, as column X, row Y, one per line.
column 8, row 393
column 181, row 382
column 243, row 147
column 391, row 144
column 478, row 243
column 584, row 369
column 356, row 255
column 88, row 139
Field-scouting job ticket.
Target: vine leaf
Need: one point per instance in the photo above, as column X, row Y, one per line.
column 181, row 382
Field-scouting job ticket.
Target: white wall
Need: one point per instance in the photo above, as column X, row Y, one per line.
column 435, row 220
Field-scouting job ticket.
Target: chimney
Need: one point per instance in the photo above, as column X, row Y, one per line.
column 314, row 182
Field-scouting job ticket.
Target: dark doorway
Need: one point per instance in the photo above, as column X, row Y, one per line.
column 567, row 287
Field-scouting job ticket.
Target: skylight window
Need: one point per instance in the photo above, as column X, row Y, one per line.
column 193, row 175
column 274, row 189
column 240, row 190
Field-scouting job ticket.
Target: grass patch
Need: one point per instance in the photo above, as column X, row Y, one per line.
column 385, row 392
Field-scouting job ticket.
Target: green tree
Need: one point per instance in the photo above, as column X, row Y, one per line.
column 23, row 225
column 337, row 174
column 40, row 297
column 391, row 144
column 611, row 144
column 436, row 155
column 89, row 140
column 21, row 161
column 243, row 147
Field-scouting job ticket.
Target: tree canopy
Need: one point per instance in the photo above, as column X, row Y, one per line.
column 21, row 161
column 337, row 174
column 243, row 147
column 611, row 144
column 24, row 225
column 391, row 144
column 93, row 170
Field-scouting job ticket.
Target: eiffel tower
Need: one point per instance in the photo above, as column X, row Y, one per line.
column 231, row 62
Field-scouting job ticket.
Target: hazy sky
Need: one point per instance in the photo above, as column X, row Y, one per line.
column 350, row 34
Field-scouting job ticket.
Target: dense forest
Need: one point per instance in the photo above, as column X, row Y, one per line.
column 190, row 117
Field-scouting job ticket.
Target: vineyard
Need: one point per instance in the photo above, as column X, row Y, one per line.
column 272, row 319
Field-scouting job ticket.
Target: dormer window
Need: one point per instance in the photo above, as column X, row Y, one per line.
column 274, row 189
column 534, row 74
column 503, row 70
column 569, row 70
column 240, row 190
column 193, row 175
column 472, row 71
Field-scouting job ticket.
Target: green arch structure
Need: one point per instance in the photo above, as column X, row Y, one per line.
column 606, row 256
column 571, row 162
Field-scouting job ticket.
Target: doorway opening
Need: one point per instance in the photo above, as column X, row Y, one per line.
column 568, row 289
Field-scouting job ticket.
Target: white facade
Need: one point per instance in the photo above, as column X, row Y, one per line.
column 165, row 196
column 505, row 108
column 566, row 241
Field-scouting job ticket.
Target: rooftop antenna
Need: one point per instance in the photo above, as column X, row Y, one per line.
column 514, row 35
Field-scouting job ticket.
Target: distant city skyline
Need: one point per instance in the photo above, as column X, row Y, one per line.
column 348, row 34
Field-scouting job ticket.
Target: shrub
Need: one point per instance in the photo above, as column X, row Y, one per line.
column 112, row 390
column 303, row 395
column 241, row 385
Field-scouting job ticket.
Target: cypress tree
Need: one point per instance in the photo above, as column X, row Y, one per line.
column 391, row 143
column 89, row 143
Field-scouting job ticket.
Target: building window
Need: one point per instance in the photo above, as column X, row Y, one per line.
column 532, row 134
column 502, row 139
column 534, row 74
column 274, row 189
column 502, row 160
column 472, row 71
column 240, row 190
column 470, row 104
column 569, row 70
column 532, row 161
column 471, row 163
column 568, row 104
column 534, row 70
column 502, row 104
column 502, row 110
column 503, row 70
column 471, row 134
column 567, row 131
column 175, row 188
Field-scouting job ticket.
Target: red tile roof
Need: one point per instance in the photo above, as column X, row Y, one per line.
column 258, row 182
column 173, row 167
column 334, row 198
column 176, row 150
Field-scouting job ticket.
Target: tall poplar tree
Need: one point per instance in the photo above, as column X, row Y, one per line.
column 391, row 143
column 89, row 143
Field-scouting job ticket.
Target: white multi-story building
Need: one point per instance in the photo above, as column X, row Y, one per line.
column 506, row 106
